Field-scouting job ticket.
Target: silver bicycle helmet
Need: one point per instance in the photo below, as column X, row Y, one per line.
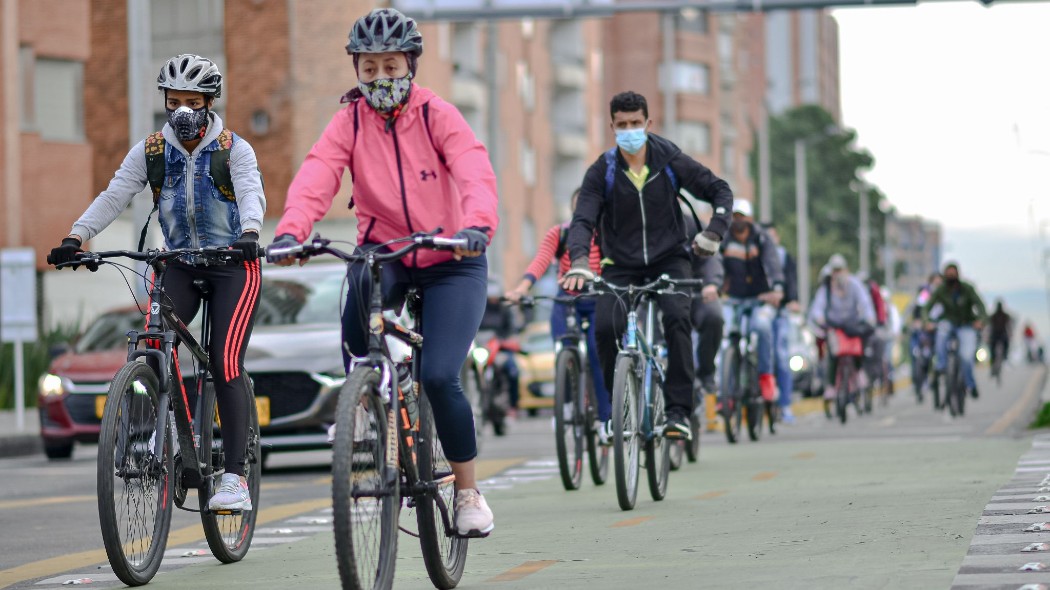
column 385, row 29
column 192, row 73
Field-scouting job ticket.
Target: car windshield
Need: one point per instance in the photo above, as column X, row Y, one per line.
column 306, row 299
column 109, row 331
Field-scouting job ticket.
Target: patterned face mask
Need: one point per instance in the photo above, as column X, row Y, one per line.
column 386, row 94
column 189, row 124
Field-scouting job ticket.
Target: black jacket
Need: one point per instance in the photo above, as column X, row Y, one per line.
column 638, row 229
column 752, row 267
column 790, row 278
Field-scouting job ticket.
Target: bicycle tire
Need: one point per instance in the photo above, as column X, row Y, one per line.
column 692, row 446
column 731, row 408
column 230, row 535
column 772, row 415
column 569, row 433
column 956, row 392
column 129, row 423
column 365, row 525
column 626, row 443
column 843, row 374
column 597, row 453
column 677, row 454
column 444, row 556
column 754, row 411
column 473, row 389
column 657, row 449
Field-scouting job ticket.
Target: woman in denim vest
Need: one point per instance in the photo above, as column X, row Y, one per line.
column 198, row 210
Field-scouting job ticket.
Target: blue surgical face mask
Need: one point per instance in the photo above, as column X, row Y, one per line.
column 631, row 140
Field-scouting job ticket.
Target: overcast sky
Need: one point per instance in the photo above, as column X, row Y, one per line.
column 953, row 100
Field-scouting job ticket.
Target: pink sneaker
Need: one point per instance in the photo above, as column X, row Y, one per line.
column 767, row 386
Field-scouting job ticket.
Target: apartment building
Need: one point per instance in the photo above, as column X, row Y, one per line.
column 45, row 153
column 802, row 66
column 913, row 249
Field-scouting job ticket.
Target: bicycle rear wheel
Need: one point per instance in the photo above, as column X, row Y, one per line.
column 230, row 533
column 692, row 446
column 844, row 375
column 134, row 485
column 657, row 449
column 955, row 390
column 444, row 555
column 731, row 394
column 626, row 435
column 569, row 427
column 365, row 497
column 597, row 454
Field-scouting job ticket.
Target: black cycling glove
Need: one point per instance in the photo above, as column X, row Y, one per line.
column 282, row 241
column 67, row 252
column 248, row 244
column 477, row 240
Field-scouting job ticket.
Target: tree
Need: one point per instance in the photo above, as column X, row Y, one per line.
column 833, row 168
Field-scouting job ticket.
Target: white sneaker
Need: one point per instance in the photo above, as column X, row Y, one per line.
column 605, row 433
column 331, row 434
column 232, row 495
column 473, row 515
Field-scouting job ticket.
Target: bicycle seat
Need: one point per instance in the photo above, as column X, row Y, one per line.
column 204, row 287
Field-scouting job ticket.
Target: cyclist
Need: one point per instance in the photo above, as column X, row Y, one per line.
column 843, row 302
column 920, row 340
column 630, row 196
column 964, row 315
column 416, row 165
column 554, row 247
column 1000, row 325
column 198, row 210
column 1031, row 343
column 708, row 321
column 753, row 272
column 499, row 323
column 893, row 330
column 782, row 324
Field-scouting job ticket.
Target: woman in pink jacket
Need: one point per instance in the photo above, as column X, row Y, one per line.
column 416, row 166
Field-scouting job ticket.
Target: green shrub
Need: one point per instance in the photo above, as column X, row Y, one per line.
column 37, row 357
column 1042, row 420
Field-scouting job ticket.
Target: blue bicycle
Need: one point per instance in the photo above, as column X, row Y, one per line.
column 638, row 400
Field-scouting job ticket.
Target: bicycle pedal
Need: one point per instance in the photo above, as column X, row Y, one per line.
column 226, row 512
column 474, row 534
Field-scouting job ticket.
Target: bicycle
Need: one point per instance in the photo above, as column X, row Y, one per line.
column 846, row 350
column 575, row 404
column 386, row 450
column 638, row 401
column 998, row 354
column 921, row 355
column 955, row 387
column 143, row 466
column 739, row 378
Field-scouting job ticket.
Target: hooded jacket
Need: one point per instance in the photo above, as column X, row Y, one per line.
column 638, row 228
column 408, row 177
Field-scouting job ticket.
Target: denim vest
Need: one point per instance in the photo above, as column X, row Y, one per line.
column 193, row 212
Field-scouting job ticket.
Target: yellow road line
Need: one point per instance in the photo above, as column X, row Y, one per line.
column 1011, row 415
column 765, row 476
column 631, row 522
column 711, row 495
column 526, row 569
column 804, row 455
column 29, row 503
column 814, row 405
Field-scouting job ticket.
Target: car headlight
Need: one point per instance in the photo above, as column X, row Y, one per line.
column 982, row 354
column 51, row 385
column 797, row 363
column 480, row 355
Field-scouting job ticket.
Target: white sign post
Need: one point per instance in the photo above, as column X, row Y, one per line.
column 18, row 314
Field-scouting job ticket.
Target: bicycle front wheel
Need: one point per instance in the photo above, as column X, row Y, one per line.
column 444, row 554
column 626, row 434
column 956, row 390
column 134, row 484
column 230, row 533
column 597, row 453
column 731, row 394
column 569, row 429
column 365, row 497
column 658, row 449
column 844, row 378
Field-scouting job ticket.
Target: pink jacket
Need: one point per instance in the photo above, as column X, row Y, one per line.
column 400, row 183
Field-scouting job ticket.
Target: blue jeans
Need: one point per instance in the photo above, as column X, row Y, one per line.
column 967, row 336
column 453, row 303
column 761, row 326
column 781, row 358
column 585, row 309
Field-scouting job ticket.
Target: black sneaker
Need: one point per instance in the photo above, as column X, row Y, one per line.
column 677, row 426
column 707, row 384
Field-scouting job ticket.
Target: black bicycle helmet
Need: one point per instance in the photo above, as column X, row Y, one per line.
column 385, row 29
column 192, row 73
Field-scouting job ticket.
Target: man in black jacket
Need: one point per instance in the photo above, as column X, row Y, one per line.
column 630, row 196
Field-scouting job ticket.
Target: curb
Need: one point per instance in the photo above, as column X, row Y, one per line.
column 18, row 445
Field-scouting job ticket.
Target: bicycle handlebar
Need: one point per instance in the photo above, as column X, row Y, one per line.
column 658, row 286
column 209, row 255
column 319, row 245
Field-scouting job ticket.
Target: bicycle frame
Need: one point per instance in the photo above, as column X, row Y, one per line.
column 739, row 337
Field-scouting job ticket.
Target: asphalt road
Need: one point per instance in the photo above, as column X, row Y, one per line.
column 889, row 500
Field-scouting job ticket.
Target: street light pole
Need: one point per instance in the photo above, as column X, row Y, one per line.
column 765, row 191
column 802, row 221
column 865, row 231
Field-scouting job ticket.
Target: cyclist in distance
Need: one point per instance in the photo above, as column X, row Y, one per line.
column 416, row 166
column 753, row 272
column 500, row 322
column 964, row 315
column 223, row 207
column 782, row 324
column 1000, row 325
column 630, row 196
column 554, row 248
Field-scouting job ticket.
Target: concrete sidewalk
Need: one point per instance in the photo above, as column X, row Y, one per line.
column 14, row 442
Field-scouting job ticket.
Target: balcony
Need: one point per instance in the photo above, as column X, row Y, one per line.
column 468, row 93
column 570, row 75
column 571, row 143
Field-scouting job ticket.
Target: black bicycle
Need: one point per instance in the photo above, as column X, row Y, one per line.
column 143, row 465
column 638, row 398
column 575, row 401
column 386, row 450
column 739, row 378
column 954, row 385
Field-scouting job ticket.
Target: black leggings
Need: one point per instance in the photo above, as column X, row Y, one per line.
column 234, row 294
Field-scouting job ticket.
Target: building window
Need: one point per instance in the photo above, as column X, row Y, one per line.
column 526, row 86
column 528, row 164
column 694, row 138
column 466, row 48
column 25, row 97
column 690, row 77
column 58, row 99
column 692, row 20
column 728, row 159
